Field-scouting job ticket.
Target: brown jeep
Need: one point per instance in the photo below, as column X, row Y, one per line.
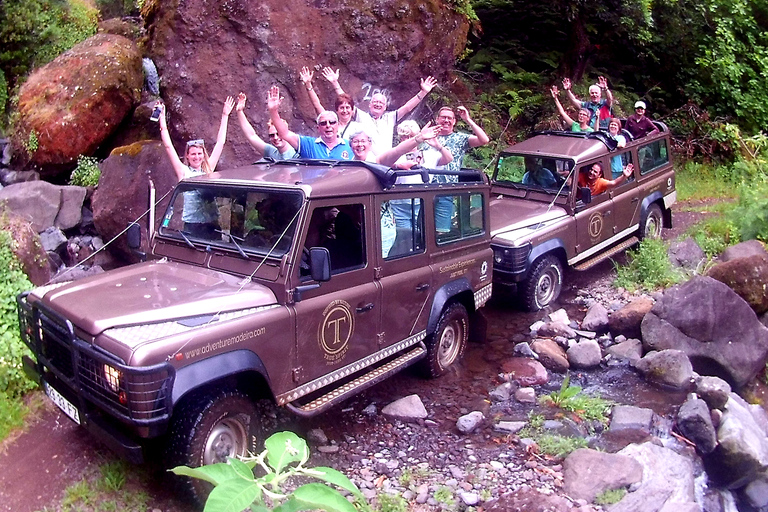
column 300, row 282
column 542, row 220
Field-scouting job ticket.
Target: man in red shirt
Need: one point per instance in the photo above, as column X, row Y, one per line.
column 639, row 125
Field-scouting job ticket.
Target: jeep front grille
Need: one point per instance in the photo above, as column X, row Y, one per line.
column 511, row 259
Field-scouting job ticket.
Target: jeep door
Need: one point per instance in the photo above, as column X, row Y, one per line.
column 625, row 196
column 403, row 268
column 594, row 221
column 337, row 323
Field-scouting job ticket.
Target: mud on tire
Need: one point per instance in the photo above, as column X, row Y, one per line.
column 446, row 345
column 543, row 285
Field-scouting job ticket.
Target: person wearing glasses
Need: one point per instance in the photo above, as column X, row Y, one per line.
column 328, row 145
column 344, row 105
column 582, row 125
column 276, row 149
column 638, row 124
column 200, row 217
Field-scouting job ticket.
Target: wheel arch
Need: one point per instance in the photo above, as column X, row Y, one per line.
column 656, row 198
column 239, row 369
column 458, row 290
column 554, row 246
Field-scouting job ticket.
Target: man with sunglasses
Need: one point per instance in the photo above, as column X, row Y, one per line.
column 276, row 149
column 639, row 125
column 327, row 145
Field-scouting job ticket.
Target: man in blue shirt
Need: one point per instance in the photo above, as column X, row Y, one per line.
column 596, row 104
column 327, row 145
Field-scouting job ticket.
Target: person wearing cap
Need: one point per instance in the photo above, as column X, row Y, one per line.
column 638, row 125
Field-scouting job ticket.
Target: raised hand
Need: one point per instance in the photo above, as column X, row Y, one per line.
column 229, row 104
column 273, row 98
column 463, row 113
column 240, row 102
column 331, row 75
column 554, row 91
column 306, row 75
column 602, row 82
column 628, row 170
column 567, row 84
column 427, row 84
column 428, row 132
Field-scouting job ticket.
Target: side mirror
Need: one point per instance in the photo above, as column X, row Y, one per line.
column 585, row 194
column 320, row 264
column 133, row 238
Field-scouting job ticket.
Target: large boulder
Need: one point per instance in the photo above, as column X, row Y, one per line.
column 76, row 101
column 27, row 248
column 207, row 50
column 44, row 204
column 715, row 327
column 627, row 320
column 743, row 250
column 746, row 276
column 588, row 473
column 123, row 192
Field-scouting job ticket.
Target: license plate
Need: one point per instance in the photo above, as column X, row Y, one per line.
column 62, row 403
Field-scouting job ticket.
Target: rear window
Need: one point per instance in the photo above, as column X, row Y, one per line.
column 652, row 156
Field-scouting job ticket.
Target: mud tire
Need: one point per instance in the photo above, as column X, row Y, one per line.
column 652, row 223
column 543, row 285
column 447, row 344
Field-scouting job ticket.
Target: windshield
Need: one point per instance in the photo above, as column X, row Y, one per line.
column 241, row 219
column 533, row 172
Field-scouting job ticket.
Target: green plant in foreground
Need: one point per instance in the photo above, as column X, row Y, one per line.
column 12, row 414
column 648, row 268
column 444, row 495
column 87, row 172
column 237, row 488
column 610, row 496
column 570, row 398
column 392, row 503
column 113, row 475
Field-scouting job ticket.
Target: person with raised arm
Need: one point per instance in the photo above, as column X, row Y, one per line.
column 327, row 145
column 597, row 106
column 582, row 125
column 458, row 143
column 277, row 149
column 378, row 119
column 361, row 145
column 344, row 105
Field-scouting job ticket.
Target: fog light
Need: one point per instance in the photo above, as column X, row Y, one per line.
column 112, row 378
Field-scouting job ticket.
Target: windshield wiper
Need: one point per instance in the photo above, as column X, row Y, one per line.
column 184, row 236
column 232, row 239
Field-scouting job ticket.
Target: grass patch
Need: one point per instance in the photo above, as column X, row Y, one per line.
column 559, row 446
column 648, row 268
column 696, row 181
column 610, row 496
column 715, row 235
column 570, row 398
column 12, row 414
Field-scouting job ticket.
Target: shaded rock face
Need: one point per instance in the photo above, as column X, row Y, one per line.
column 746, row 276
column 27, row 248
column 76, row 101
column 207, row 50
column 715, row 328
column 123, row 192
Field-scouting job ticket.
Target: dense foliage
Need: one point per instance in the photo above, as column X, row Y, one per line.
column 87, row 172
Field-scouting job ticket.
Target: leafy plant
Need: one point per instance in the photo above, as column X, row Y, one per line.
column 12, row 413
column 444, row 495
column 566, row 392
column 31, row 144
column 558, row 445
column 113, row 476
column 648, row 268
column 392, row 503
column 570, row 398
column 750, row 215
column 236, row 487
column 87, row 172
column 610, row 496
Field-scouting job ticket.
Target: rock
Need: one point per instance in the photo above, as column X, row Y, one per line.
column 76, row 101
column 528, row 500
column 523, row 349
column 680, row 507
column 469, row 422
column 551, row 355
column 317, row 436
column 501, row 392
column 596, row 318
column 587, row 473
column 525, row 371
column 667, row 478
column 197, row 46
column 743, row 250
column 695, row 423
column 756, row 492
column 525, row 395
column 630, row 350
column 553, row 329
column 559, row 316
column 585, row 354
column 747, row 277
column 406, row 408
column 686, row 254
column 123, row 193
column 713, row 390
column 52, row 239
column 629, row 417
column 28, row 248
column 35, row 201
column 71, row 209
column 742, row 450
column 627, row 320
column 667, row 367
column 715, row 327
column 509, row 427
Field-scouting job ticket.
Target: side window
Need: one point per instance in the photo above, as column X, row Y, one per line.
column 402, row 227
column 341, row 230
column 619, row 163
column 652, row 156
column 458, row 217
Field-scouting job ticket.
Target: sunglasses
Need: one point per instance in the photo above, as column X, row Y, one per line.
column 196, row 142
column 327, row 123
column 273, row 135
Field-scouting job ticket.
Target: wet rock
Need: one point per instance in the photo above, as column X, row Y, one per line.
column 501, row 392
column 523, row 349
column 525, row 371
column 551, row 355
column 627, row 320
column 469, row 422
column 406, row 408
column 629, row 417
column 509, row 427
column 596, row 318
column 587, row 473
column 747, row 277
column 695, row 423
column 470, row 499
column 585, row 354
column 686, row 254
column 713, row 325
column 529, row 500
column 713, row 390
column 559, row 316
column 330, row 448
column 756, row 492
column 743, row 250
column 680, row 507
column 525, row 395
column 52, row 239
column 667, row 367
column 552, row 329
column 630, row 350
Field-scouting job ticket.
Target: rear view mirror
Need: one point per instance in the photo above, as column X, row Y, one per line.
column 320, row 264
column 585, row 194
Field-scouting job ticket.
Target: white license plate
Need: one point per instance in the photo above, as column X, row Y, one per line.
column 63, row 404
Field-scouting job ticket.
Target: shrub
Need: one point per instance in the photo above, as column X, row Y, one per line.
column 750, row 216
column 87, row 172
column 648, row 268
column 714, row 235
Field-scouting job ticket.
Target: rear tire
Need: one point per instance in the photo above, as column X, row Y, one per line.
column 447, row 344
column 652, row 223
column 543, row 285
column 207, row 429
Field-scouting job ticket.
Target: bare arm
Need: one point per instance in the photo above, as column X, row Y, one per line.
column 333, row 77
column 628, row 170
column 479, row 137
column 390, row 156
column 567, row 86
column 258, row 144
column 560, row 108
column 445, row 156
column 603, row 84
column 178, row 166
column 306, row 75
column 426, row 86
column 221, row 137
column 273, row 106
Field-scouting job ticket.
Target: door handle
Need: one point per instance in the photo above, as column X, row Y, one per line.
column 635, row 199
column 363, row 309
column 421, row 287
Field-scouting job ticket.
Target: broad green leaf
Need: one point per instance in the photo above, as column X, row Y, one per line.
column 334, row 477
column 234, row 495
column 284, row 448
column 317, row 495
column 241, row 468
column 292, row 505
column 259, row 508
column 214, row 473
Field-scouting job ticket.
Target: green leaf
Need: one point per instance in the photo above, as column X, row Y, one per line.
column 316, row 495
column 284, row 448
column 292, row 505
column 234, row 495
column 334, row 477
column 214, row 473
column 241, row 469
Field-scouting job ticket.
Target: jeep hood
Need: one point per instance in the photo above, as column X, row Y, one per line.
column 510, row 214
column 151, row 292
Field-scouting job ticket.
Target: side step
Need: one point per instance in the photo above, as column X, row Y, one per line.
column 359, row 383
column 597, row 258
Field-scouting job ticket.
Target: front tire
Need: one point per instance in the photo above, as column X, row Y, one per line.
column 447, row 344
column 543, row 285
column 652, row 223
column 207, row 429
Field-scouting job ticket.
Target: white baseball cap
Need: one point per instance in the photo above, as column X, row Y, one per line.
column 640, row 104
